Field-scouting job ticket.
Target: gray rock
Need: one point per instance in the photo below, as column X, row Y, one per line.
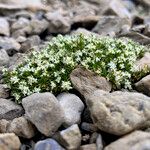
column 4, row 125
column 30, row 43
column 10, row 45
column 143, row 62
column 39, row 26
column 72, row 106
column 44, row 111
column 137, row 140
column 9, row 141
column 48, row 144
column 137, row 37
column 4, row 27
column 143, row 85
column 99, row 142
column 110, row 111
column 22, row 128
column 147, row 30
column 86, row 82
column 88, row 127
column 21, row 23
column 58, row 23
column 9, row 110
column 109, row 24
column 88, row 147
column 71, row 137
column 4, row 58
column 114, row 7
column 4, row 91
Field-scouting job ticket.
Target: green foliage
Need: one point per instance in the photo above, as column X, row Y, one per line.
column 49, row 69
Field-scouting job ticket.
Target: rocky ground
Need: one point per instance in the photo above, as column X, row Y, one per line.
column 89, row 118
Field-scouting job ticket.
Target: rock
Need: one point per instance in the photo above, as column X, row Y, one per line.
column 137, row 140
column 44, row 111
column 30, row 43
column 108, row 24
column 10, row 45
column 147, row 30
column 22, row 128
column 6, row 9
column 99, row 142
column 9, row 110
column 114, row 7
column 21, row 23
column 143, row 85
column 88, row 147
column 88, row 127
column 110, row 111
column 86, row 82
column 88, row 21
column 70, row 138
column 137, row 37
column 38, row 26
column 4, row 58
column 4, row 27
column 4, row 91
column 48, row 144
column 58, row 23
column 9, row 141
column 72, row 106
column 4, row 125
column 143, row 62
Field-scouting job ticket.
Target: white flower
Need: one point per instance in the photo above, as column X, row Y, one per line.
column 14, row 79
column 112, row 65
column 66, row 85
column 53, row 85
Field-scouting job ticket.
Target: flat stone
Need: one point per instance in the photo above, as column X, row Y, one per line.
column 108, row 24
column 72, row 106
column 110, row 111
column 4, row 27
column 137, row 140
column 86, row 82
column 44, row 111
column 9, row 141
column 9, row 109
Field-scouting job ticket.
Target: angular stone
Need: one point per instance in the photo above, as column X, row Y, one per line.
column 9, row 141
column 72, row 106
column 108, row 24
column 4, row 125
column 137, row 140
column 4, row 91
column 86, row 82
column 58, row 23
column 44, row 111
column 88, row 147
column 110, row 111
column 143, row 85
column 71, row 137
column 9, row 109
column 4, row 27
column 22, row 128
column 137, row 37
column 4, row 58
column 48, row 144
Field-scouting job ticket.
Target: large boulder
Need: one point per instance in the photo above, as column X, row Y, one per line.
column 4, row 27
column 44, row 111
column 72, row 106
column 119, row 112
column 137, row 140
column 86, row 82
column 9, row 109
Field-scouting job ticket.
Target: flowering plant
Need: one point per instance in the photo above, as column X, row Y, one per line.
column 49, row 69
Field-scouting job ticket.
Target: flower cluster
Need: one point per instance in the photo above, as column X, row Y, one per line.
column 49, row 69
